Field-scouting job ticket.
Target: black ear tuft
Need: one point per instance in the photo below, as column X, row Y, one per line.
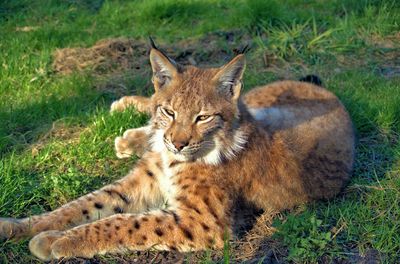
column 311, row 78
column 152, row 44
column 243, row 50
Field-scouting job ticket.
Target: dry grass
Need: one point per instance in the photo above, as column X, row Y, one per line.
column 105, row 57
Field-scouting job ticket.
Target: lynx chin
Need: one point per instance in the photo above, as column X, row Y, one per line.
column 205, row 147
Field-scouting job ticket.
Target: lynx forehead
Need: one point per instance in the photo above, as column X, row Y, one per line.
column 205, row 147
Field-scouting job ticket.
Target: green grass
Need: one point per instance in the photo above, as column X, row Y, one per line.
column 56, row 135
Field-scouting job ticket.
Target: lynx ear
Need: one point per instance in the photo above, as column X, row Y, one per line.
column 229, row 77
column 164, row 68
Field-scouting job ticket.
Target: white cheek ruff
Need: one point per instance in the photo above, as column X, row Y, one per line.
column 230, row 151
column 214, row 157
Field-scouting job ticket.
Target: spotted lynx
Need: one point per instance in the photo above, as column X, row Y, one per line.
column 277, row 146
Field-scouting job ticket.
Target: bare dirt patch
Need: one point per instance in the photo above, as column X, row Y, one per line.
column 371, row 256
column 121, row 65
column 389, row 42
column 389, row 66
column 388, row 54
column 105, row 57
column 110, row 56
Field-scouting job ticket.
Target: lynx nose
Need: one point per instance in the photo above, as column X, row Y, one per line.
column 179, row 145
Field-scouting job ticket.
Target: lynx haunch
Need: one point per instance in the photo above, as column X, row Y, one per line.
column 276, row 146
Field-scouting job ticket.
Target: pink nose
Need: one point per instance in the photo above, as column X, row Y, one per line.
column 179, row 145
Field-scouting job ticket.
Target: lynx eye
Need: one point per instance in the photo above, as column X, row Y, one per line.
column 168, row 112
column 201, row 118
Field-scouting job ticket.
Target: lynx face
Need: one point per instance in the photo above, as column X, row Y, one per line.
column 195, row 110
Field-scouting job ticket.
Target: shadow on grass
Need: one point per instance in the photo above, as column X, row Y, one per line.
column 24, row 126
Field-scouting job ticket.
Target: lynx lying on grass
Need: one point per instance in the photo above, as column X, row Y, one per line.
column 278, row 146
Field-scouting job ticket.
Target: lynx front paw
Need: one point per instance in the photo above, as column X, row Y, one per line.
column 133, row 141
column 122, row 148
column 12, row 228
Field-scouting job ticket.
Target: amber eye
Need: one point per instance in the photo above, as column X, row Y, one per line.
column 203, row 118
column 168, row 112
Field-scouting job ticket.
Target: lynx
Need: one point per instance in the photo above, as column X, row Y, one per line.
column 277, row 146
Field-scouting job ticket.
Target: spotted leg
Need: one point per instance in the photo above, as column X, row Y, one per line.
column 196, row 219
column 136, row 192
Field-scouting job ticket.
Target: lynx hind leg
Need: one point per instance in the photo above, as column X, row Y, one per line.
column 133, row 141
column 142, row 104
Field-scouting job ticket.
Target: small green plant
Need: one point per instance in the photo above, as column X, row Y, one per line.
column 227, row 248
column 304, row 236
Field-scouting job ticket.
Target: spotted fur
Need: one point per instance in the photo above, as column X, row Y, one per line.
column 277, row 146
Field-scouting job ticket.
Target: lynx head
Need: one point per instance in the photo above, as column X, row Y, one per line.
column 195, row 111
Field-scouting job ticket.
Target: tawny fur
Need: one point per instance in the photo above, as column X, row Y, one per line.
column 278, row 146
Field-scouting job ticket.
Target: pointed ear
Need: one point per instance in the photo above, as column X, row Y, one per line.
column 229, row 77
column 164, row 68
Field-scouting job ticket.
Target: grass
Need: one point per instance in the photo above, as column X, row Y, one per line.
column 56, row 134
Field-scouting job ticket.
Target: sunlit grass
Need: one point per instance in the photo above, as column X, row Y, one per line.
column 56, row 135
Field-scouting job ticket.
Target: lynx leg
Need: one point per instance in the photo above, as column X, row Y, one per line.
column 142, row 104
column 136, row 192
column 161, row 230
column 197, row 219
column 133, row 141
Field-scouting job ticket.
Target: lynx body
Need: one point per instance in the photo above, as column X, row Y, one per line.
column 277, row 146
